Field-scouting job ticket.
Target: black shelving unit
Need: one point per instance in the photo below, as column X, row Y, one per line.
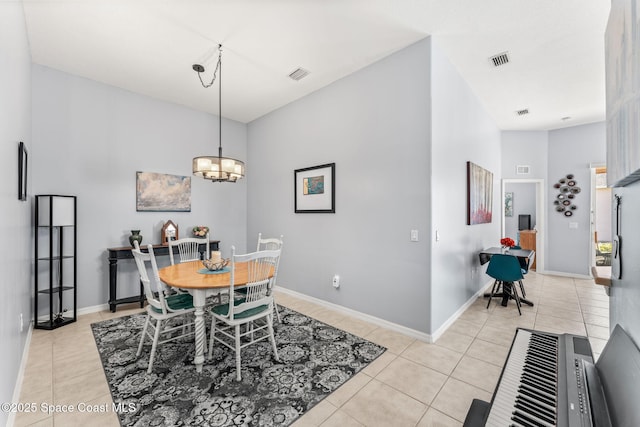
column 55, row 261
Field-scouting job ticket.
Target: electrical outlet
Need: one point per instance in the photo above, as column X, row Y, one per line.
column 414, row 235
column 336, row 281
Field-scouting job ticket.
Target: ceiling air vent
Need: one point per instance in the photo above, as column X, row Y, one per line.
column 522, row 169
column 499, row 59
column 522, row 112
column 299, row 74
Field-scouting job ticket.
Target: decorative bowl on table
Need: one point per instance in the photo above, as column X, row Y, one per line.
column 215, row 265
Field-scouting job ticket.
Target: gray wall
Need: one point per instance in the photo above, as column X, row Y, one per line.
column 15, row 226
column 89, row 139
column 394, row 173
column 524, row 203
column 527, row 149
column 625, row 293
column 552, row 155
column 374, row 124
column 462, row 131
column 571, row 151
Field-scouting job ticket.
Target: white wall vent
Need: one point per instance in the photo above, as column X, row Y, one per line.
column 499, row 59
column 523, row 169
column 298, row 74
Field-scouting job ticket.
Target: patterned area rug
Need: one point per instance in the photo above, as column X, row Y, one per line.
column 315, row 359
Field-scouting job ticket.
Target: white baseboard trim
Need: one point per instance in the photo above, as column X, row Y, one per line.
column 81, row 311
column 562, row 274
column 442, row 329
column 20, row 378
column 93, row 309
column 358, row 315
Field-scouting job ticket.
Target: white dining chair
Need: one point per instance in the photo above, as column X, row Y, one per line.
column 256, row 304
column 162, row 306
column 272, row 243
column 189, row 248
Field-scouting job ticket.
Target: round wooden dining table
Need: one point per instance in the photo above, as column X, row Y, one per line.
column 193, row 277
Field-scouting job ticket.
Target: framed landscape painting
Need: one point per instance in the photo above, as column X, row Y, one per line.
column 479, row 194
column 159, row 192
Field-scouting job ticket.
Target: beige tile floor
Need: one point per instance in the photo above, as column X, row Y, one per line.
column 412, row 384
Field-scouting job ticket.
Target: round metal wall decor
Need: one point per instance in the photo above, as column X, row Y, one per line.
column 567, row 188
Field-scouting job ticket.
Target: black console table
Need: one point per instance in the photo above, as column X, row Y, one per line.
column 116, row 254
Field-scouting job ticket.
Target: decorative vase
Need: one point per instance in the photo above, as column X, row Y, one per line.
column 135, row 236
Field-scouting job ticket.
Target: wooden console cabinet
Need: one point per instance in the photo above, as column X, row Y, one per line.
column 528, row 241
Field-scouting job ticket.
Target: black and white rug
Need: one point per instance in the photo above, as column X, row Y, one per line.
column 315, row 359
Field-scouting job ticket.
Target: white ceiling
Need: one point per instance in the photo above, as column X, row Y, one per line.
column 556, row 49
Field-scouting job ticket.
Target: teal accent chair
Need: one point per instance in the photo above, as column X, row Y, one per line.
column 506, row 270
column 525, row 265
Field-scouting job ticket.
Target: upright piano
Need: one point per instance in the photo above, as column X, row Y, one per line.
column 551, row 380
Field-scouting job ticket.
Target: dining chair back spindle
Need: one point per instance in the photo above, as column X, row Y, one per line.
column 272, row 243
column 189, row 248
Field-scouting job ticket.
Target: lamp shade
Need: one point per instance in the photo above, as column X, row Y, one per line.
column 56, row 211
column 218, row 169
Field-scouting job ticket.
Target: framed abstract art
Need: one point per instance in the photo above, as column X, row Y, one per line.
column 479, row 194
column 314, row 189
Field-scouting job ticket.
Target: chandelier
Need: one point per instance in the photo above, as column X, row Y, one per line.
column 217, row 168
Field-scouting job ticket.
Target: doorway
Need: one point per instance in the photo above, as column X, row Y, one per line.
column 532, row 203
column 601, row 224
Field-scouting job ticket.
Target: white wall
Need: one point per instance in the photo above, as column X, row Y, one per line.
column 374, row 124
column 462, row 131
column 571, row 151
column 89, row 139
column 15, row 226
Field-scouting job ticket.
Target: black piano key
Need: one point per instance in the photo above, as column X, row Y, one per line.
column 535, row 408
column 537, row 384
column 541, row 355
column 541, row 363
column 529, row 420
column 543, row 343
column 539, row 373
column 522, row 421
column 548, row 350
column 538, row 389
column 544, row 353
column 545, row 399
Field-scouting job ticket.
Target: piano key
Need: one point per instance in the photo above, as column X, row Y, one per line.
column 529, row 421
column 536, row 410
column 529, row 380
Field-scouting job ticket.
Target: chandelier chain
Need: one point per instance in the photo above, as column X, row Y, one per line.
column 217, row 168
column 215, row 72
